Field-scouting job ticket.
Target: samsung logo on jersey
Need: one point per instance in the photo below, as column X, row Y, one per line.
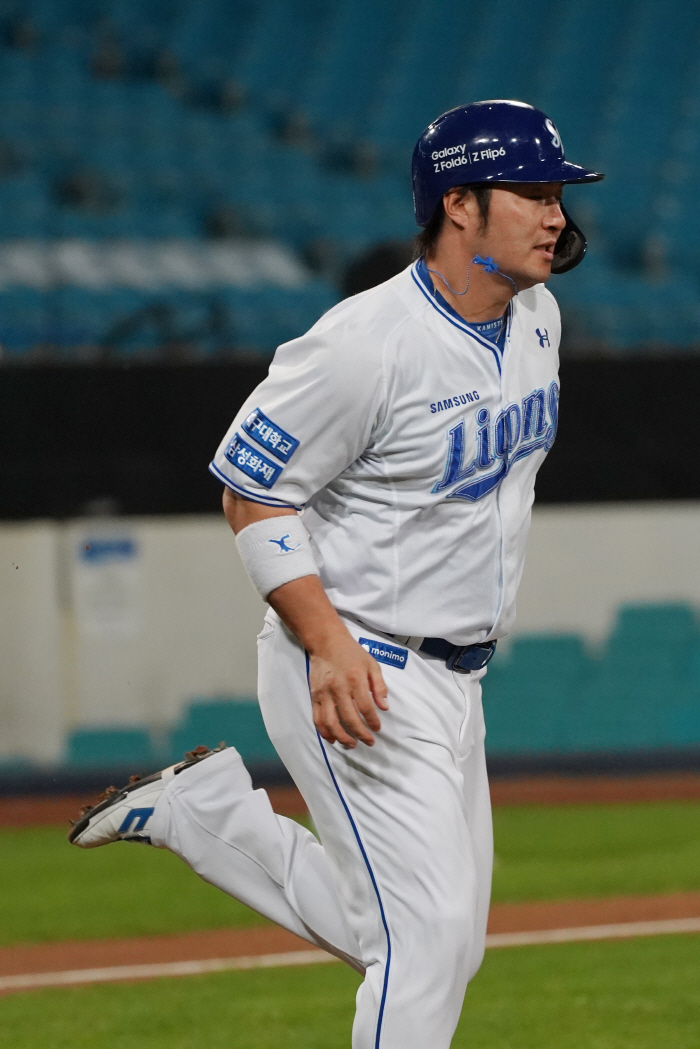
column 454, row 402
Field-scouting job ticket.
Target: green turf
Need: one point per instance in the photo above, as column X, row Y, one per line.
column 52, row 891
column 636, row 994
column 565, row 852
column 49, row 890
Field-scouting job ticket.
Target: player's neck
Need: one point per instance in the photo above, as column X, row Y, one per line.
column 488, row 295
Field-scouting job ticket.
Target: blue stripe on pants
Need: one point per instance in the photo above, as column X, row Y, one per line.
column 372, row 877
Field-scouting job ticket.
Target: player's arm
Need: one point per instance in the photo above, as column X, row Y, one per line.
column 346, row 683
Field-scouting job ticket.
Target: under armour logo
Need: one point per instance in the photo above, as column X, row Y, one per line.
column 140, row 815
column 282, row 544
column 543, row 336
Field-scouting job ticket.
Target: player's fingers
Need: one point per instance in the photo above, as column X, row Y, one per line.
column 365, row 704
column 351, row 721
column 378, row 686
column 338, row 732
column 325, row 712
column 328, row 724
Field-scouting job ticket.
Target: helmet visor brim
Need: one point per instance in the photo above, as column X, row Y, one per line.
column 565, row 172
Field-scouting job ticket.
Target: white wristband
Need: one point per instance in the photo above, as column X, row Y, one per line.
column 275, row 551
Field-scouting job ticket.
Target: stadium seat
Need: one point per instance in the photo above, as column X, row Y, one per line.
column 24, row 322
column 235, row 722
column 641, row 693
column 314, row 145
column 661, row 629
column 531, row 691
column 111, row 747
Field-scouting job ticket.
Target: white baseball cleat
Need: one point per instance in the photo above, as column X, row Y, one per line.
column 123, row 815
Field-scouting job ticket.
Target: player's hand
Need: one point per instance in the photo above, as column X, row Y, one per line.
column 345, row 681
column 346, row 688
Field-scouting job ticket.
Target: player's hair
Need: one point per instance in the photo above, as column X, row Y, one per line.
column 426, row 240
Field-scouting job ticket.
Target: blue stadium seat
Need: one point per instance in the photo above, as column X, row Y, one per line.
column 110, row 748
column 643, row 628
column 24, row 322
column 642, row 685
column 627, row 97
column 235, row 722
column 263, row 318
column 530, row 693
column 25, row 209
column 641, row 693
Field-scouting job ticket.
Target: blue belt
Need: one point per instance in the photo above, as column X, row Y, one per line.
column 463, row 659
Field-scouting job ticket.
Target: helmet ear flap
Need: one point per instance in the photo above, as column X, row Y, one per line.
column 570, row 246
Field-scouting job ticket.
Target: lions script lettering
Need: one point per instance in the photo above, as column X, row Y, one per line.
column 516, row 432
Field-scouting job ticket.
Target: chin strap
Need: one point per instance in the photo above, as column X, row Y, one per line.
column 489, row 265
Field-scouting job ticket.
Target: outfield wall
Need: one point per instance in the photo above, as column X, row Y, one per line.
column 108, row 622
column 584, row 561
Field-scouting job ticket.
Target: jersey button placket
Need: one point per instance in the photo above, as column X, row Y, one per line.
column 505, row 359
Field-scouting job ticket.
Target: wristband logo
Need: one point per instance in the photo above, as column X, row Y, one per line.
column 282, row 544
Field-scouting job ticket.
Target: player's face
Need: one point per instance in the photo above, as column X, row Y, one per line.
column 525, row 220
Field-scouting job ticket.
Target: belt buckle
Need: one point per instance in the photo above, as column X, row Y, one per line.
column 453, row 660
column 478, row 656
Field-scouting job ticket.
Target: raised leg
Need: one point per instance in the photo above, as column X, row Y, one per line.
column 212, row 818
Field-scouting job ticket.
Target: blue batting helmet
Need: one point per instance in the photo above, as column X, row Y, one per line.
column 492, row 142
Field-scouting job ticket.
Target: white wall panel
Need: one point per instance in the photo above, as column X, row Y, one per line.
column 584, row 561
column 185, row 623
column 31, row 671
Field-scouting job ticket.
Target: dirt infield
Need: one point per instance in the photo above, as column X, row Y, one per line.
column 266, row 940
column 526, row 790
column 595, row 790
column 570, row 914
column 47, row 811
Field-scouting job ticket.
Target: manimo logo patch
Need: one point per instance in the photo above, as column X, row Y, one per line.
column 384, row 653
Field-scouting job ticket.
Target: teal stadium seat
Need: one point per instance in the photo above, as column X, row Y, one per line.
column 24, row 321
column 627, row 96
column 641, row 693
column 212, row 721
column 685, row 717
column 643, row 681
column 530, row 693
column 110, row 748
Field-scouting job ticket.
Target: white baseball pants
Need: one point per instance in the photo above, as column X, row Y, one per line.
column 400, row 886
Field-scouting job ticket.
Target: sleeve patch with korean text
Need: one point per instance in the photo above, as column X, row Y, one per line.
column 271, row 436
column 251, row 462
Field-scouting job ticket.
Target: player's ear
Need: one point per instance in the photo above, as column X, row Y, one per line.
column 461, row 207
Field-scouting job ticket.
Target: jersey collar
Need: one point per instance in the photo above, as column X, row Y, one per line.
column 421, row 276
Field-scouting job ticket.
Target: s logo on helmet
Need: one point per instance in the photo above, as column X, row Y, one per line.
column 556, row 140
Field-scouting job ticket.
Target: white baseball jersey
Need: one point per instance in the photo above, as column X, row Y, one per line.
column 411, row 443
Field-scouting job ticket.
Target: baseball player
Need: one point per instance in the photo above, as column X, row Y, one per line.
column 380, row 482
